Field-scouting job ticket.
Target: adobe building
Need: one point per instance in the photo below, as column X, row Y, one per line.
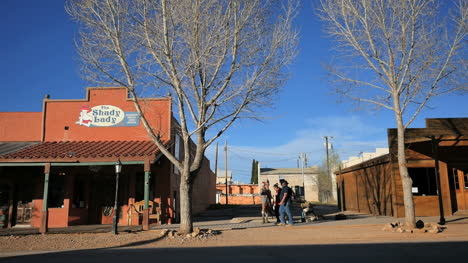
column 222, row 178
column 436, row 155
column 57, row 166
column 296, row 178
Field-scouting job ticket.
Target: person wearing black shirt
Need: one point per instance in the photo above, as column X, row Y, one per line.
column 277, row 201
column 285, row 204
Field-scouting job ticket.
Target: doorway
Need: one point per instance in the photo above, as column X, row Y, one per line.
column 5, row 204
column 460, row 183
column 24, row 192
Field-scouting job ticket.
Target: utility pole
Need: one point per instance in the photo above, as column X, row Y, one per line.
column 216, row 162
column 303, row 158
column 225, row 170
column 328, row 160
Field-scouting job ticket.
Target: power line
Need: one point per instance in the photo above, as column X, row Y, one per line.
column 260, row 152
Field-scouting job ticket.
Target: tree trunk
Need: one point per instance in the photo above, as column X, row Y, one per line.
column 406, row 181
column 186, row 223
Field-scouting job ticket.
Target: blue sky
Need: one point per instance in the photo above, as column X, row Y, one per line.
column 38, row 58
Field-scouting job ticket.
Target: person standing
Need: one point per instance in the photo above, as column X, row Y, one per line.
column 265, row 195
column 277, row 201
column 285, row 203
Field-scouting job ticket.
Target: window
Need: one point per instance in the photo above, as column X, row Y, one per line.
column 79, row 193
column 466, row 180
column 4, row 196
column 140, row 186
column 299, row 190
column 424, row 181
column 56, row 191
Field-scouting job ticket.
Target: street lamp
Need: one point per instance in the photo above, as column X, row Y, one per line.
column 118, row 168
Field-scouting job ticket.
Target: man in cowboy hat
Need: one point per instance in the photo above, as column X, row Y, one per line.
column 285, row 203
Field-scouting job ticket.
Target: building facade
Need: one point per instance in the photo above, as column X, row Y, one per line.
column 222, row 178
column 57, row 166
column 437, row 160
column 304, row 182
column 238, row 194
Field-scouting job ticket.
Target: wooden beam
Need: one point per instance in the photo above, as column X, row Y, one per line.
column 147, row 168
column 45, row 209
column 42, row 163
column 454, row 143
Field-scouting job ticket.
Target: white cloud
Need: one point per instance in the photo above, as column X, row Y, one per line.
column 351, row 136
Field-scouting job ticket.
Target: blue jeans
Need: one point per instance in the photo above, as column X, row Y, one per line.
column 285, row 208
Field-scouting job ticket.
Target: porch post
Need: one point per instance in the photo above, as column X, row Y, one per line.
column 45, row 210
column 435, row 151
column 147, row 167
column 10, row 204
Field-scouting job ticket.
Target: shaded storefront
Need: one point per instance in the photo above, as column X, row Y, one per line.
column 437, row 158
column 59, row 171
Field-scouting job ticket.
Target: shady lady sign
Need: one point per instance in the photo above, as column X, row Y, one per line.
column 107, row 116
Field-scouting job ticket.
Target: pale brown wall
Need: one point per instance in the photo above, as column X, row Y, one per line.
column 204, row 189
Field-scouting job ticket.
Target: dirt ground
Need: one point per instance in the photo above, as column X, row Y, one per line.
column 296, row 235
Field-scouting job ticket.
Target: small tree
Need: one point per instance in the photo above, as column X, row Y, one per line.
column 220, row 60
column 397, row 54
column 324, row 180
column 254, row 177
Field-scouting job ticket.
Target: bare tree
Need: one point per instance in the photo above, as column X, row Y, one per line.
column 220, row 61
column 397, row 54
column 324, row 180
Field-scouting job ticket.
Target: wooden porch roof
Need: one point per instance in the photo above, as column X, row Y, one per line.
column 83, row 151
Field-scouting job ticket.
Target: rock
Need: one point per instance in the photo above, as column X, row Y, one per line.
column 386, row 229
column 419, row 224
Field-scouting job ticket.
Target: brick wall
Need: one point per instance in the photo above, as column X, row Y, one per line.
column 244, row 194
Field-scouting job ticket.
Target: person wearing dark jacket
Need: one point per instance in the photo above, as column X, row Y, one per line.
column 285, row 204
column 277, row 201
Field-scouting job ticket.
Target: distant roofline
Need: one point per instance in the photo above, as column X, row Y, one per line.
column 308, row 170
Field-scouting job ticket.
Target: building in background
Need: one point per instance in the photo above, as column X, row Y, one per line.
column 363, row 157
column 441, row 148
column 75, row 144
column 221, row 176
column 304, row 184
column 238, row 194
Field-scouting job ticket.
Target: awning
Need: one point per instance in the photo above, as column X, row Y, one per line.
column 83, row 151
column 10, row 147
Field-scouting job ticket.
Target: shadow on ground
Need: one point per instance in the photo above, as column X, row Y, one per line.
column 383, row 253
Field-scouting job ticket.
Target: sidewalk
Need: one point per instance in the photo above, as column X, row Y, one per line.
column 241, row 218
column 241, row 231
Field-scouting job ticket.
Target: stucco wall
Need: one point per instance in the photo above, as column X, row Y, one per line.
column 310, row 183
column 20, row 126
